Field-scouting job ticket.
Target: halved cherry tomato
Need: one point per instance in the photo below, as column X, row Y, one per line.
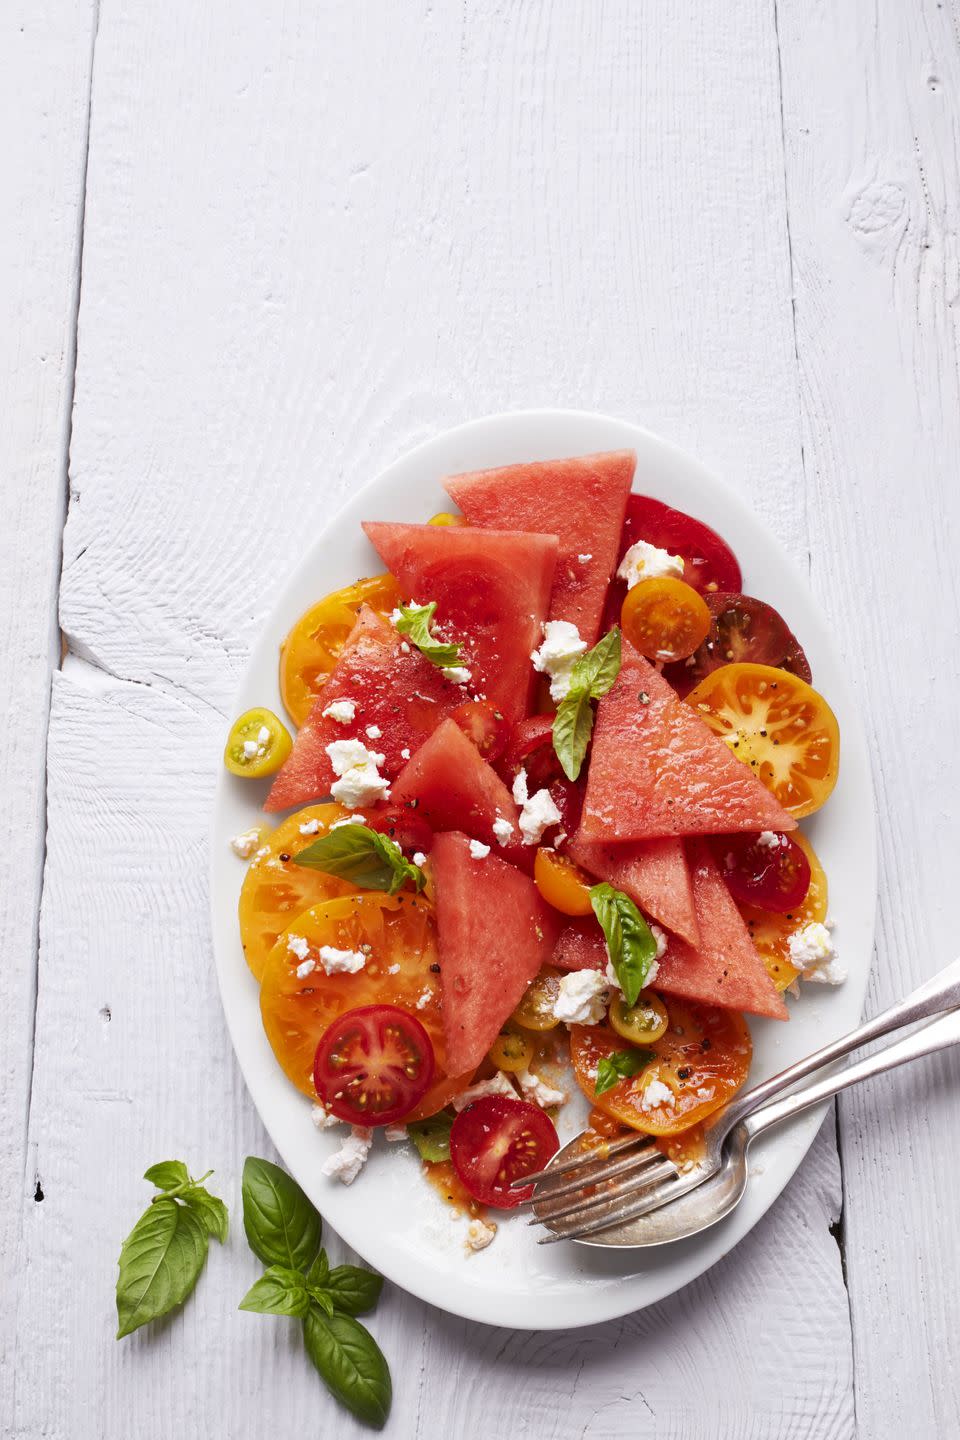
column 373, row 1066
column 708, row 562
column 530, row 748
column 771, row 932
column 511, row 1051
column 275, row 890
column 495, row 1141
column 664, row 618
column 312, row 646
column 402, row 968
column 777, row 724
column 535, row 1011
column 642, row 1023
column 699, row 1063
column 447, row 517
column 410, row 831
column 485, row 726
column 567, row 795
column 742, row 629
column 561, row 883
column 775, row 875
column 257, row 745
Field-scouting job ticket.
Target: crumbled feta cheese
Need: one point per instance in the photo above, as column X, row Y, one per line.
column 499, row 1084
column 263, row 736
column 561, row 648
column 584, row 558
column 503, row 830
column 350, row 1159
column 538, row 1092
column 520, row 792
column 250, row 749
column 341, row 962
column 323, row 1119
column 360, row 781
column 424, row 998
column 479, row 851
column 537, row 813
column 245, row 844
column 374, row 732
column 459, row 674
column 343, row 711
column 648, row 562
column 310, row 827
column 298, row 945
column 405, row 648
column 656, row 1093
column 419, row 858
column 394, row 1133
column 355, row 819
column 480, row 1234
column 582, row 998
column 393, row 969
column 405, row 753
column 811, row 951
column 770, row 840
column 305, row 969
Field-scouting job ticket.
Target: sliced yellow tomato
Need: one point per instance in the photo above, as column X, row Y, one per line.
column 257, row 745
column 311, row 648
column 778, row 725
column 665, row 618
column 561, row 883
column 447, row 517
column 275, row 889
column 771, row 932
column 642, row 1023
column 535, row 1011
column 511, row 1051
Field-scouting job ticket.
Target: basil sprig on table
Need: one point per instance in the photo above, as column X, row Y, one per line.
column 414, row 622
column 630, row 942
column 619, row 1066
column 364, row 856
column 161, row 1258
column 284, row 1230
column 591, row 677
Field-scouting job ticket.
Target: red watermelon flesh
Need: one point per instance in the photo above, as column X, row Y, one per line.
column 581, row 501
column 580, row 946
column 494, row 933
column 653, row 873
column 398, row 691
column 656, row 769
column 492, row 589
column 453, row 788
column 725, row 969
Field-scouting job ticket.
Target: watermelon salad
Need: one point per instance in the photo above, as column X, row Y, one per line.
column 541, row 831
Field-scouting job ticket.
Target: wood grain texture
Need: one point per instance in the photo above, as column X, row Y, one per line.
column 44, row 92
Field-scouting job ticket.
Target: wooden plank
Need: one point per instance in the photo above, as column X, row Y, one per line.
column 44, row 89
column 872, row 123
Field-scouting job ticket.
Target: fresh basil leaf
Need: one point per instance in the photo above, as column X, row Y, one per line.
column 630, row 943
column 415, row 622
column 319, row 1270
column 322, row 1298
column 572, row 728
column 350, row 1363
column 282, row 1227
column 167, row 1174
column 209, row 1209
column 364, row 856
column 432, row 1137
column 619, row 1066
column 596, row 671
column 160, row 1262
column 352, row 1290
column 279, row 1291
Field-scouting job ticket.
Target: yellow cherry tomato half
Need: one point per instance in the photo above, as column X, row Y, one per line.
column 511, row 1051
column 447, row 517
column 778, row 725
column 535, row 1011
column 642, row 1023
column 665, row 618
column 771, row 932
column 257, row 745
column 312, row 647
column 561, row 883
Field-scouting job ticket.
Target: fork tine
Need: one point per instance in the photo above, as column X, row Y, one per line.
column 671, row 1190
column 635, row 1159
column 581, row 1157
column 627, row 1184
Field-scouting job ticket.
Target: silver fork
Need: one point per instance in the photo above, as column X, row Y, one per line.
column 630, row 1177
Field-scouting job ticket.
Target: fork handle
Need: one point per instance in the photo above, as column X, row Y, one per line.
column 940, row 993
column 939, row 1034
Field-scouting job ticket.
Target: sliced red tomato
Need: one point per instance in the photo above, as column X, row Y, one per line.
column 374, row 1065
column 495, row 1141
column 530, row 748
column 567, row 795
column 769, row 870
column 403, row 825
column 742, row 628
column 485, row 725
column 709, row 565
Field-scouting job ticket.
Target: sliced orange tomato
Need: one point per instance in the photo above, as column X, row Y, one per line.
column 699, row 1064
column 535, row 1011
column 561, row 883
column 665, row 618
column 771, row 932
column 257, row 745
column 778, row 725
column 311, row 648
column 398, row 936
column 275, row 889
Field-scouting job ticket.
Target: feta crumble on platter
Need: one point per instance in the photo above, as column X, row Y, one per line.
column 394, row 1133
column 480, row 1234
column 373, row 732
column 355, row 819
column 811, row 950
column 581, row 998
column 478, row 850
column 458, row 674
column 770, row 840
column 503, row 830
column 323, row 1119
column 585, row 558
column 656, row 1093
column 537, row 812
column 245, row 844
column 342, row 711
column 341, row 962
column 309, row 827
column 306, row 968
column 560, row 651
column 405, row 753
column 538, row 1092
column 499, row 1084
column 347, row 1162
column 419, row 858
column 360, row 781
column 648, row 562
column 298, row 945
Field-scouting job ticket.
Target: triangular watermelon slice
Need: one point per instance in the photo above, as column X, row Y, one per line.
column 656, row 769
column 453, row 788
column 395, row 690
column 494, row 932
column 653, row 873
column 725, row 969
column 492, row 589
column 582, row 501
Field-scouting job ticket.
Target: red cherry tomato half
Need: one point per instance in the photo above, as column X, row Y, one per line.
column 530, row 748
column 485, row 725
column 410, row 831
column 497, row 1140
column 743, row 629
column 373, row 1065
column 772, row 873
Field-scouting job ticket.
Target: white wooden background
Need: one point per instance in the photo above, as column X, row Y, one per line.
column 249, row 253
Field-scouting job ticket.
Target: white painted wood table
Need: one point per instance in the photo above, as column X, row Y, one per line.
column 249, row 253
